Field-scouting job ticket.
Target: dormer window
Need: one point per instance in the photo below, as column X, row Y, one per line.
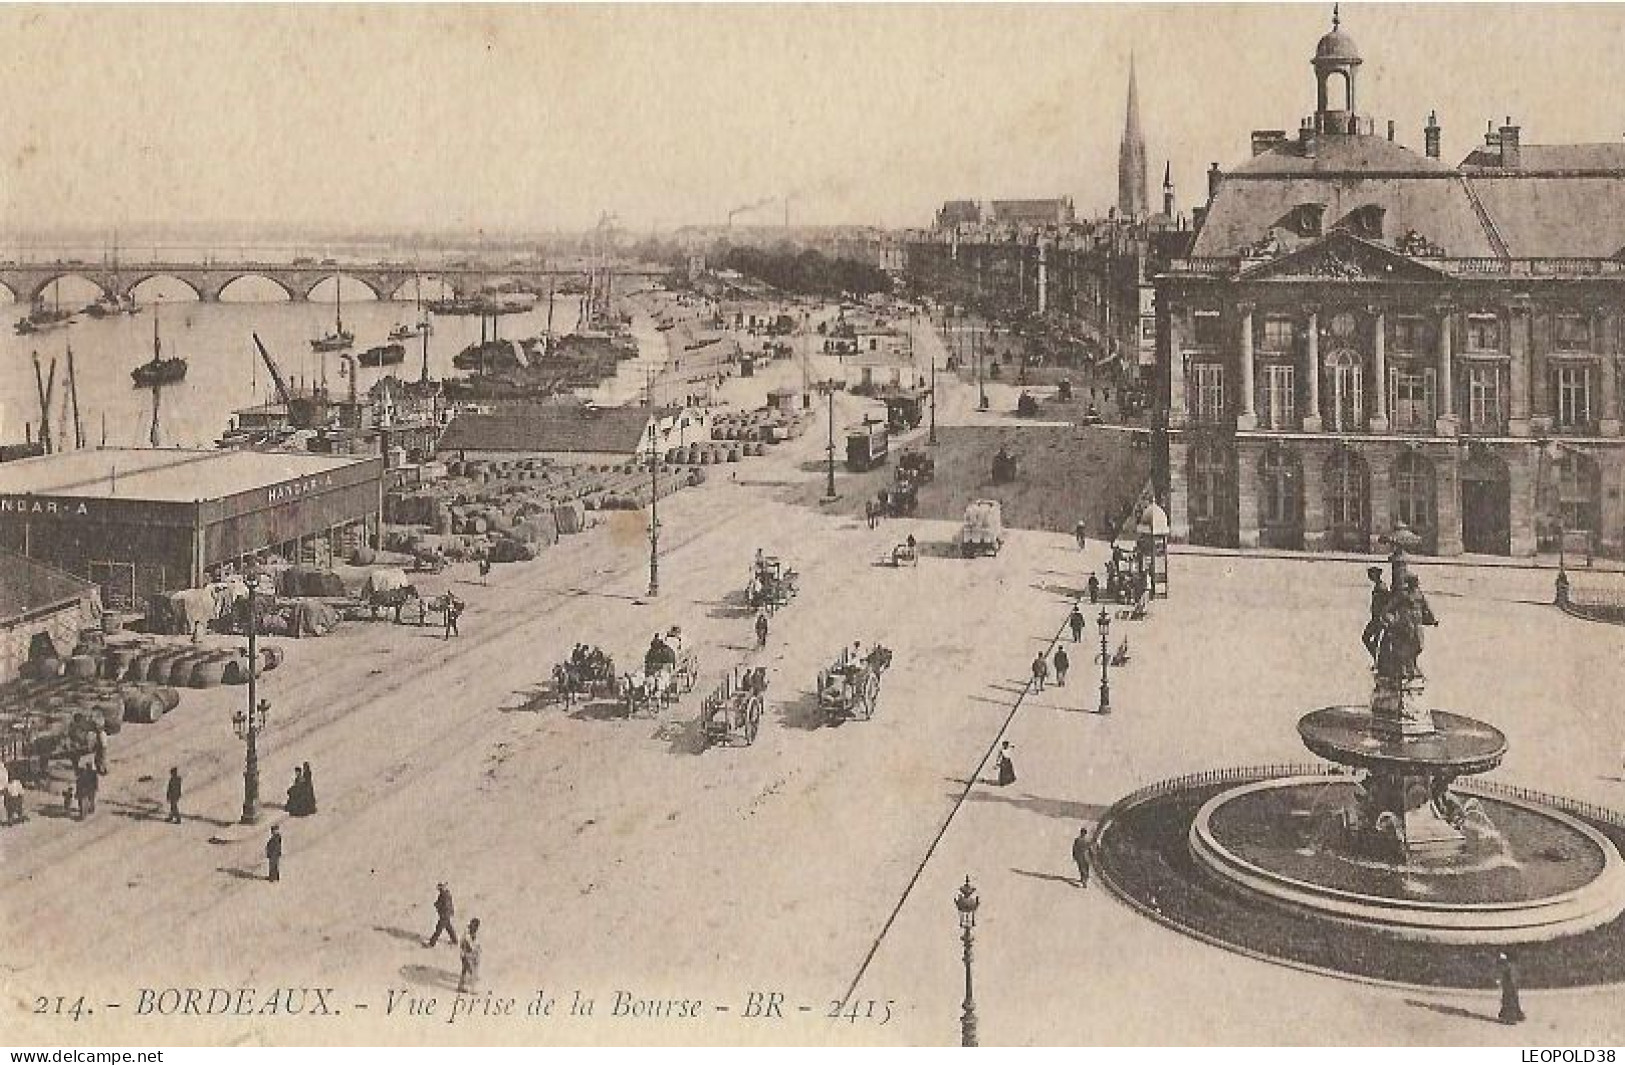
column 1307, row 219
column 1365, row 222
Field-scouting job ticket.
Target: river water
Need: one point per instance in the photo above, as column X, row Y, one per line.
column 225, row 373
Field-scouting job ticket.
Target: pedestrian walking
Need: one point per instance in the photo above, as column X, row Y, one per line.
column 444, row 911
column 485, row 568
column 273, row 854
column 1081, row 531
column 14, row 802
column 469, row 955
column 1080, row 855
column 1094, row 589
column 761, row 628
column 1075, row 620
column 454, row 608
column 310, row 790
column 172, row 792
column 1507, row 977
column 1040, row 671
column 67, row 803
column 1062, row 664
column 98, row 746
column 87, row 784
column 1006, row 768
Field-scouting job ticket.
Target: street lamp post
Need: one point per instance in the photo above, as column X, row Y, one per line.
column 250, row 721
column 966, row 903
column 933, row 435
column 1105, row 661
column 981, row 384
column 654, row 512
column 829, row 484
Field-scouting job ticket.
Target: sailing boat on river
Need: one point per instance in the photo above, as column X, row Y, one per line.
column 159, row 370
column 340, row 338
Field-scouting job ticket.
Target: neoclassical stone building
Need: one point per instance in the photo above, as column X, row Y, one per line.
column 1364, row 335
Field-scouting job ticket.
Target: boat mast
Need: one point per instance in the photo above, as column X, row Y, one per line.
column 155, row 434
column 73, row 391
column 338, row 307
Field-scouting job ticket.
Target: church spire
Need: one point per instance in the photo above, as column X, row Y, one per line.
column 1131, row 177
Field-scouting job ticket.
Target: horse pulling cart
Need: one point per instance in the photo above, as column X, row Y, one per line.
column 588, row 674
column 772, row 584
column 669, row 672
column 734, row 710
column 851, row 687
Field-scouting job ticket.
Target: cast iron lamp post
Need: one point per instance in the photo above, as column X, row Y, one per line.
column 829, row 484
column 1105, row 661
column 966, row 903
column 250, row 721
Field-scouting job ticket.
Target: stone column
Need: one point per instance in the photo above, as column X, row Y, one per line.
column 1379, row 371
column 1179, row 517
column 1247, row 494
column 1311, row 417
column 1446, row 424
column 1517, row 330
column 1606, row 330
column 1247, row 418
column 1542, row 404
column 1177, row 415
column 1379, row 462
column 1447, row 500
column 1315, row 530
column 1522, row 463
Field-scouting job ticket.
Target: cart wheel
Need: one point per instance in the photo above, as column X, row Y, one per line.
column 753, row 719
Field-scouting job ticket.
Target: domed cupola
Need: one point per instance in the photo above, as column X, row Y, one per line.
column 1337, row 60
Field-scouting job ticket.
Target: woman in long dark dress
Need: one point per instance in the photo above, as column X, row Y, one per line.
column 296, row 794
column 1007, row 768
column 310, row 790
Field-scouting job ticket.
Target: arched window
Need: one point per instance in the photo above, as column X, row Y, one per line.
column 1338, row 92
column 1280, row 498
column 1345, row 391
column 1414, row 493
column 1347, row 492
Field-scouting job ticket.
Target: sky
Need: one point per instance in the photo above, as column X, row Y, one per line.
column 541, row 118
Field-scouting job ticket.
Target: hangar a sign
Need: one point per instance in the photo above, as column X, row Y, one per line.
column 54, row 508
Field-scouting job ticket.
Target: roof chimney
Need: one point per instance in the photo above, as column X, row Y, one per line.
column 1390, row 129
column 1431, row 133
column 1492, row 139
column 1511, row 156
column 1265, row 140
column 1215, row 178
column 1308, row 141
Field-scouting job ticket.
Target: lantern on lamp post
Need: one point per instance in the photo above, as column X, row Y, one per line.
column 966, row 903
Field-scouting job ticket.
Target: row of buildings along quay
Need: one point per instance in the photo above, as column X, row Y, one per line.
column 1348, row 333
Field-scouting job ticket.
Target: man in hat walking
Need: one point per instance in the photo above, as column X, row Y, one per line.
column 172, row 792
column 273, row 854
column 761, row 628
column 469, row 955
column 444, row 910
column 1075, row 621
column 1040, row 671
column 1062, row 664
column 1080, row 855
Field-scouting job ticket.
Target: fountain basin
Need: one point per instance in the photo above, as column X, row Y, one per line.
column 1524, row 873
column 1460, row 746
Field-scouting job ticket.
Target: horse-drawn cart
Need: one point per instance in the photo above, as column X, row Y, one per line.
column 851, row 687
column 734, row 710
column 588, row 674
column 772, row 583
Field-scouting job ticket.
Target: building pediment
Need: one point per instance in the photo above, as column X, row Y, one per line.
column 1340, row 257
